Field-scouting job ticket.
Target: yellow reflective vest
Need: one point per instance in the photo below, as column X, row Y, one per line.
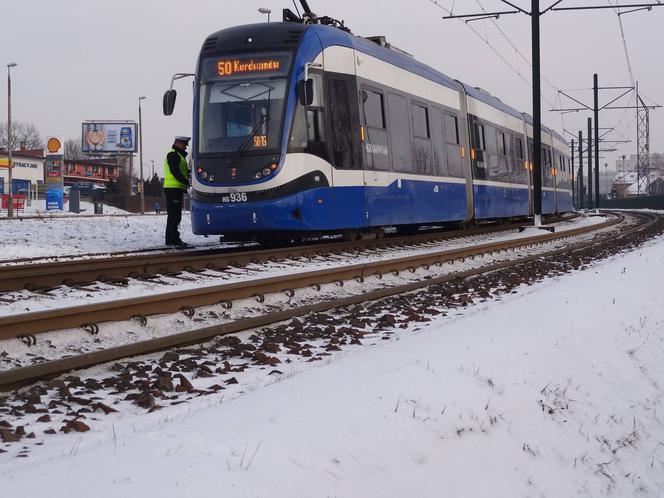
column 169, row 180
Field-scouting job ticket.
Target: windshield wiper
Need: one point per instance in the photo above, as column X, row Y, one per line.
column 265, row 118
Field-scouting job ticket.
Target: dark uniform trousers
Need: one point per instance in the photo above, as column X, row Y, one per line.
column 174, row 198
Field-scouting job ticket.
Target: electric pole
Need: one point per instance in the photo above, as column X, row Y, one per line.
column 535, row 15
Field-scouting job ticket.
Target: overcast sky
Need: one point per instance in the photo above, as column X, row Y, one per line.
column 83, row 59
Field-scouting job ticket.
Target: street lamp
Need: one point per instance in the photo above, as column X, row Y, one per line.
column 140, row 143
column 606, row 179
column 263, row 10
column 10, row 207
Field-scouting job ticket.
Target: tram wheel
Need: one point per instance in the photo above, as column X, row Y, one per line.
column 351, row 235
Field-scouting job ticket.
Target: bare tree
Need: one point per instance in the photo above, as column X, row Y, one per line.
column 73, row 149
column 23, row 134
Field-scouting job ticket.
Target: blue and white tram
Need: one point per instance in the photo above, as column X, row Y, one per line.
column 305, row 128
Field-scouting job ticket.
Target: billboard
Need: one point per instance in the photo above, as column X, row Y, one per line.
column 101, row 137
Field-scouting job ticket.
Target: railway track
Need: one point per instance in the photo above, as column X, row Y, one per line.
column 89, row 315
column 35, row 275
column 260, row 287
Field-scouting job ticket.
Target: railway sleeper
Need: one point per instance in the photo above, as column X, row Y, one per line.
column 121, row 282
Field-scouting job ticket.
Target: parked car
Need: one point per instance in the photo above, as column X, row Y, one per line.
column 87, row 189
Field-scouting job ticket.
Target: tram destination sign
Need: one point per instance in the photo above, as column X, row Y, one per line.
column 236, row 67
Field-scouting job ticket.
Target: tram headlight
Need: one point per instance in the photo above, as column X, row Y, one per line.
column 266, row 171
column 202, row 173
column 258, row 176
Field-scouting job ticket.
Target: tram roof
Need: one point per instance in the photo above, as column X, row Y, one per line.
column 281, row 35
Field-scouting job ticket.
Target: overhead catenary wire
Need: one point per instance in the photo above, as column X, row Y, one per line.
column 629, row 70
column 520, row 55
column 516, row 49
column 494, row 50
column 624, row 41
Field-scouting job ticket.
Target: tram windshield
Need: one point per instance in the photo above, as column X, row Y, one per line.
column 240, row 109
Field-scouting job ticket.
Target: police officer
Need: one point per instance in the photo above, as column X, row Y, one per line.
column 176, row 181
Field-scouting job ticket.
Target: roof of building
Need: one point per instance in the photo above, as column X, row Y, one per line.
column 93, row 162
column 634, row 183
column 35, row 154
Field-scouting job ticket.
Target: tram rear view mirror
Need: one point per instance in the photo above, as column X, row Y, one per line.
column 305, row 92
column 169, row 102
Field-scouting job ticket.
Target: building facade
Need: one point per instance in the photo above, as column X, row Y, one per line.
column 97, row 171
column 27, row 171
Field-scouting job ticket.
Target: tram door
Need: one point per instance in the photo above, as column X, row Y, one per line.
column 345, row 149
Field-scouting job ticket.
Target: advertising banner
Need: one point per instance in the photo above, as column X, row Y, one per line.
column 54, row 164
column 109, row 137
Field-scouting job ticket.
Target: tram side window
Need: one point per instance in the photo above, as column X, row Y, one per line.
column 511, row 158
column 307, row 133
column 479, row 166
column 439, row 165
column 562, row 171
column 570, row 173
column 521, row 172
column 399, row 132
column 451, row 129
column 375, row 140
column 491, row 154
column 453, row 147
column 420, row 121
column 373, row 109
column 547, row 168
column 479, row 137
column 421, row 143
column 503, row 161
column 344, row 149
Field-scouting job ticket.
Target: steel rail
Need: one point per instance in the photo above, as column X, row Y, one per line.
column 169, row 302
column 35, row 275
column 17, row 377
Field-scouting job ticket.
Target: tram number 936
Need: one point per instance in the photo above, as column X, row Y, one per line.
column 235, row 197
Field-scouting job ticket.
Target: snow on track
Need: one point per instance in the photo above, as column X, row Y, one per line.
column 553, row 391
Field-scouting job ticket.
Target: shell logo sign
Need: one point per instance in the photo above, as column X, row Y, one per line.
column 53, row 145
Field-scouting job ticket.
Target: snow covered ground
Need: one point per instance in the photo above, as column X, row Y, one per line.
column 38, row 208
column 70, row 234
column 553, row 391
column 56, row 236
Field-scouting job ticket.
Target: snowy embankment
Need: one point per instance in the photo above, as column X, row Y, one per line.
column 553, row 391
column 52, row 236
column 37, row 208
